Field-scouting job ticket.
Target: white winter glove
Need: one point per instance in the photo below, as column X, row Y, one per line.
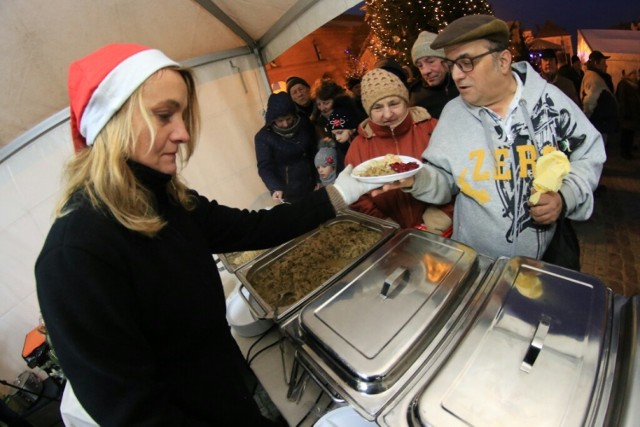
column 350, row 188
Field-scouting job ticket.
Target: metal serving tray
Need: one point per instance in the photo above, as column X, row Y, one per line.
column 538, row 353
column 367, row 334
column 231, row 263
column 247, row 273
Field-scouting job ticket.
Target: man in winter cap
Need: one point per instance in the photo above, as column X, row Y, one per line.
column 596, row 95
column 436, row 87
column 300, row 92
column 484, row 148
column 549, row 72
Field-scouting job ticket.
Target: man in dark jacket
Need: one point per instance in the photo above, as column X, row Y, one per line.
column 285, row 148
column 549, row 72
column 596, row 94
column 573, row 72
column 436, row 87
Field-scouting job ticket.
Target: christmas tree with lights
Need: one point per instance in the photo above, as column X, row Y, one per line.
column 395, row 24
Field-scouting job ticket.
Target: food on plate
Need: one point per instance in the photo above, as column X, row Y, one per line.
column 387, row 165
column 306, row 266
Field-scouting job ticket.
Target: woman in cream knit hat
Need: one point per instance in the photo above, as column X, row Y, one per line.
column 394, row 128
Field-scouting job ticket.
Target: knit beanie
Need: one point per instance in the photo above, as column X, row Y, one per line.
column 378, row 84
column 326, row 156
column 295, row 80
column 422, row 47
column 392, row 66
column 101, row 82
column 278, row 105
column 342, row 118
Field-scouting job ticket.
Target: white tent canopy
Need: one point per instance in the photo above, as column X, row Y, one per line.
column 39, row 38
column 227, row 42
column 623, row 46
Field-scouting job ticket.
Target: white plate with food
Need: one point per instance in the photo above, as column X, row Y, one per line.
column 386, row 169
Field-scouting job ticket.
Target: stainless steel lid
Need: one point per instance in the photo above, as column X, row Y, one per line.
column 372, row 324
column 535, row 355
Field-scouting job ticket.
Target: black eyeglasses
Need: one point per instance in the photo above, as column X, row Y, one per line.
column 466, row 64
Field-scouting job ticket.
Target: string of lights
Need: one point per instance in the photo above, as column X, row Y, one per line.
column 395, row 24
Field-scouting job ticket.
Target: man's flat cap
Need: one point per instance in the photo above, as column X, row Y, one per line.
column 472, row 27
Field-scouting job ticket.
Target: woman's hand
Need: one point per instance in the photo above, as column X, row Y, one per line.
column 277, row 196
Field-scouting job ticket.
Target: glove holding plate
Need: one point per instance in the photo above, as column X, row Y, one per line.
column 350, row 188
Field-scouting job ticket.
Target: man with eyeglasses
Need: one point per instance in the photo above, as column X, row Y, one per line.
column 436, row 87
column 484, row 148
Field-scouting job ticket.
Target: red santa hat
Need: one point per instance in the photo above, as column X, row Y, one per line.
column 101, row 82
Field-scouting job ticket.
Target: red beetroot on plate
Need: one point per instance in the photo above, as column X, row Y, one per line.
column 399, row 167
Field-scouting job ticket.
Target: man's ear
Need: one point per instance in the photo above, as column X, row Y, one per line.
column 505, row 59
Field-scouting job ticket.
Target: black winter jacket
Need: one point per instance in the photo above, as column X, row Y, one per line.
column 286, row 164
column 139, row 323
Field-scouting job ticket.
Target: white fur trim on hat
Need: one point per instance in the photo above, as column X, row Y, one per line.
column 117, row 87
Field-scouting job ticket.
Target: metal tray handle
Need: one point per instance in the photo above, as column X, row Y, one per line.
column 250, row 304
column 335, row 397
column 392, row 282
column 536, row 344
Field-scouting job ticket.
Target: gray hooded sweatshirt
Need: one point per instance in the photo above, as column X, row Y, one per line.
column 486, row 163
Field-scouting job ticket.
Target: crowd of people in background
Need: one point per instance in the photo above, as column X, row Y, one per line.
column 350, row 127
column 339, row 114
column 612, row 110
column 396, row 108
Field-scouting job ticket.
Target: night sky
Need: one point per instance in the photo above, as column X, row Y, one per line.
column 570, row 15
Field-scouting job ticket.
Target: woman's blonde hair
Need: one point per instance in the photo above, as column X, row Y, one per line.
column 101, row 172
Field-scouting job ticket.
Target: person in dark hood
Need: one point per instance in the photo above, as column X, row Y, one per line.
column 285, row 148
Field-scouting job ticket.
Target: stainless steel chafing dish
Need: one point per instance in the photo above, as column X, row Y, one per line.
column 366, row 335
column 548, row 347
column 247, row 273
column 425, row 332
column 233, row 261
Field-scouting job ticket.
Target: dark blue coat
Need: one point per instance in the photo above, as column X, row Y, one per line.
column 286, row 164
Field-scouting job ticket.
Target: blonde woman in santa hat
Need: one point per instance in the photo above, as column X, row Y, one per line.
column 127, row 286
column 394, row 128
